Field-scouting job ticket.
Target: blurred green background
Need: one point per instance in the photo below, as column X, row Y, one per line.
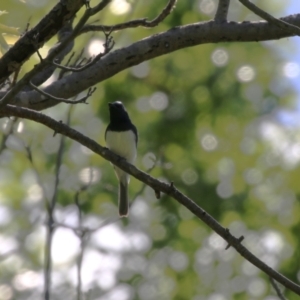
column 218, row 120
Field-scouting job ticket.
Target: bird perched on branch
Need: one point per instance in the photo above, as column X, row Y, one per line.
column 121, row 137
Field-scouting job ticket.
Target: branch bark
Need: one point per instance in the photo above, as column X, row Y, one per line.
column 157, row 185
column 35, row 38
column 154, row 46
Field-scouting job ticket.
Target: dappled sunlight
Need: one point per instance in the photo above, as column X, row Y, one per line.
column 283, row 141
column 218, row 122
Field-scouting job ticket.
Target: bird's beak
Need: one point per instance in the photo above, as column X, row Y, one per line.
column 109, row 104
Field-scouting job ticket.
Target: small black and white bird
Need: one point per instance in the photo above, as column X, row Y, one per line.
column 121, row 137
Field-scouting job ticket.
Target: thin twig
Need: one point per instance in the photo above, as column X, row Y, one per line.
column 50, row 222
column 99, row 7
column 108, row 45
column 83, row 234
column 52, row 54
column 282, row 24
column 11, row 125
column 47, row 95
column 148, row 171
column 222, row 11
column 134, row 23
column 277, row 289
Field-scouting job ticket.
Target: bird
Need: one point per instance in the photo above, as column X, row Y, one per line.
column 121, row 137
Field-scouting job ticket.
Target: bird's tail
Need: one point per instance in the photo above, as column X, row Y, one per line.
column 123, row 199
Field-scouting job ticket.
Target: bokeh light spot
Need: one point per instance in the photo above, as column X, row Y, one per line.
column 95, row 47
column 6, row 292
column 207, row 6
column 272, row 242
column 189, row 176
column 90, row 175
column 291, row 70
column 219, row 57
column 209, row 142
column 253, row 176
column 224, row 189
column 27, row 280
column 5, row 215
column 120, row 7
column 149, row 160
column 20, row 127
column 257, row 288
column 178, row 261
column 245, row 73
column 143, row 105
column 159, row 101
column 35, row 193
column 65, row 237
column 204, row 256
column 141, row 70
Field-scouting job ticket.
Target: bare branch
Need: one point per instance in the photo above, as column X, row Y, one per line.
column 47, row 95
column 163, row 187
column 151, row 47
column 52, row 54
column 61, row 13
column 276, row 288
column 134, row 23
column 50, row 222
column 222, row 11
column 108, row 45
column 280, row 23
column 11, row 127
column 99, row 7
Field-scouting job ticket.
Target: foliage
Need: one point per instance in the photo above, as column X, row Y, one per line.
column 208, row 120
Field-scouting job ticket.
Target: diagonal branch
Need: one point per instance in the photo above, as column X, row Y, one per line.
column 60, row 14
column 277, row 289
column 52, row 54
column 280, row 23
column 157, row 185
column 49, row 96
column 27, row 78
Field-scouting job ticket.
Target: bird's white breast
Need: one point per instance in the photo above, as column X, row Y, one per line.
column 122, row 143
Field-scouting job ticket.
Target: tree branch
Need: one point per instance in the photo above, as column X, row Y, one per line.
column 50, row 218
column 134, row 23
column 151, row 47
column 52, row 54
column 277, row 289
column 163, row 187
column 280, row 23
column 222, row 11
column 60, row 14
